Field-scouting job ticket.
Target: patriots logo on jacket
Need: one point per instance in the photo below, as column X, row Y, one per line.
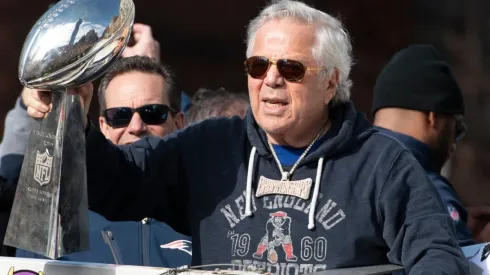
column 182, row 245
column 453, row 212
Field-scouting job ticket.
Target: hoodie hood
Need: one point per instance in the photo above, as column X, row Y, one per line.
column 348, row 129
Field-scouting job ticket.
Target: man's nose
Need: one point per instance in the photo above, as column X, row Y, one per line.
column 136, row 125
column 273, row 78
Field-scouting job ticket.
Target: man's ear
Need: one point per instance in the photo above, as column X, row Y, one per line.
column 433, row 120
column 179, row 120
column 332, row 85
column 104, row 127
column 436, row 121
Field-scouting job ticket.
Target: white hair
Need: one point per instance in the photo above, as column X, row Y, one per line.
column 333, row 48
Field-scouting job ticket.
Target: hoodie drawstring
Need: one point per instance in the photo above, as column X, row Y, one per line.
column 248, row 199
column 314, row 198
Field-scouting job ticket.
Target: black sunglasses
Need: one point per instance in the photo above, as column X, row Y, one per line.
column 291, row 70
column 151, row 114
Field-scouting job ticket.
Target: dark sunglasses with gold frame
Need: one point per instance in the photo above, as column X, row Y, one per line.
column 291, row 70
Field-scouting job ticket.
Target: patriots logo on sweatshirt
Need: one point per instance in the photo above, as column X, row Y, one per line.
column 182, row 245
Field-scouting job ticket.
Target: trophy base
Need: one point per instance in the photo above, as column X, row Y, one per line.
column 50, row 211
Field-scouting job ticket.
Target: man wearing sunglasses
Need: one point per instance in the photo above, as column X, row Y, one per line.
column 138, row 98
column 418, row 101
column 304, row 183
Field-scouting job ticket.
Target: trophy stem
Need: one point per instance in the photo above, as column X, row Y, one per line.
column 50, row 211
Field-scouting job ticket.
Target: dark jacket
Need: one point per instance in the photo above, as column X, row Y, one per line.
column 144, row 243
column 375, row 204
column 446, row 191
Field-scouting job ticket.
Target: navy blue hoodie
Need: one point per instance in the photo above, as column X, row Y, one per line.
column 375, row 204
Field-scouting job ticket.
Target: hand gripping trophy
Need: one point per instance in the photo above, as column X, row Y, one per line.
column 73, row 43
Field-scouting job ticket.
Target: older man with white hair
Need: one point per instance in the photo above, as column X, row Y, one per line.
column 305, row 184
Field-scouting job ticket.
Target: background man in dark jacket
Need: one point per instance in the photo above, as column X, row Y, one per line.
column 417, row 101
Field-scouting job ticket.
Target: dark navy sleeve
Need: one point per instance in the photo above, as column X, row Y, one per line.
column 455, row 208
column 416, row 225
column 140, row 180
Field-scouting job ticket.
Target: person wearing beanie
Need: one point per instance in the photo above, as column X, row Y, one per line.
column 418, row 102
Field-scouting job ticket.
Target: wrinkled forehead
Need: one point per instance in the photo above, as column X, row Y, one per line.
column 285, row 36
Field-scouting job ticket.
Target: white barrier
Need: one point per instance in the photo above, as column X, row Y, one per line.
column 476, row 254
column 23, row 266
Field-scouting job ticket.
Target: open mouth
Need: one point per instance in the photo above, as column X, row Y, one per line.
column 275, row 103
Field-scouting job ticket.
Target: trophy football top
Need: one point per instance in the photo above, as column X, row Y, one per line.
column 74, row 42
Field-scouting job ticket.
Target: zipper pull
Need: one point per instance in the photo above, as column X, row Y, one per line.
column 144, row 221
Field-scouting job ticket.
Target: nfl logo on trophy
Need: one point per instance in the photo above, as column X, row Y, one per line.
column 42, row 169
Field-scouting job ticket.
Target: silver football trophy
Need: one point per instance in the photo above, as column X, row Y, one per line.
column 73, row 43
